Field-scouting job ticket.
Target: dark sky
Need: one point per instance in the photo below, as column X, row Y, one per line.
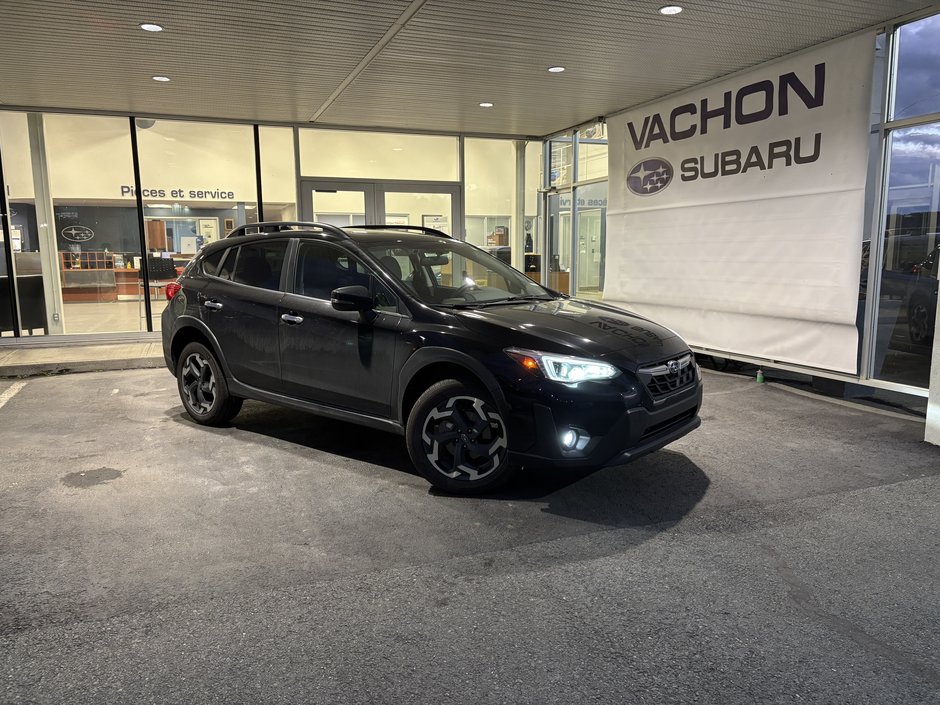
column 918, row 82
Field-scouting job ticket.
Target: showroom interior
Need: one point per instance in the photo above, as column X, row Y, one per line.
column 536, row 199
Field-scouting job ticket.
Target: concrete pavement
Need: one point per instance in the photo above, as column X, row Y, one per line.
column 783, row 553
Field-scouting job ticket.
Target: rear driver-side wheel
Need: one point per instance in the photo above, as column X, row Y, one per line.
column 457, row 438
column 202, row 387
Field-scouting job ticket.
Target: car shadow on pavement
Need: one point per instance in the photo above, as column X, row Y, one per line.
column 660, row 487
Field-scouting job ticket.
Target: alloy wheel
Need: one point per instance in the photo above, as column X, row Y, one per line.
column 464, row 438
column 198, row 384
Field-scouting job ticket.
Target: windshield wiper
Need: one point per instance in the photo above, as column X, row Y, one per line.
column 499, row 302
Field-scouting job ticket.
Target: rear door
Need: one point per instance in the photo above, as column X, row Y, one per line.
column 344, row 359
column 239, row 304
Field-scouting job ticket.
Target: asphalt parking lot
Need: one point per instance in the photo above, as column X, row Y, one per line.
column 786, row 552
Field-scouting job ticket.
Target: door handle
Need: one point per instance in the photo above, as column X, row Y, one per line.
column 291, row 319
column 215, row 305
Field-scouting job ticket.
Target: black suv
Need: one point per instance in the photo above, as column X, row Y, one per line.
column 407, row 330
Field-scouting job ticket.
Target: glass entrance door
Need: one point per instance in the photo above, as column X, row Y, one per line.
column 351, row 203
column 338, row 203
column 558, row 248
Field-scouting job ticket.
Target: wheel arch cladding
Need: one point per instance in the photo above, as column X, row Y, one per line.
column 434, row 366
column 192, row 334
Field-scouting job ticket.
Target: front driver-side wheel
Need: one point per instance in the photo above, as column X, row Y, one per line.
column 202, row 387
column 457, row 438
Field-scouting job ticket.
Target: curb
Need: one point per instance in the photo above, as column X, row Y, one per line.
column 60, row 368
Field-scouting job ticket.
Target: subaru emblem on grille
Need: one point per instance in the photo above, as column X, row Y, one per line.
column 673, row 367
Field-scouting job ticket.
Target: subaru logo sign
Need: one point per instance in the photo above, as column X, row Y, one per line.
column 78, row 233
column 673, row 367
column 650, row 176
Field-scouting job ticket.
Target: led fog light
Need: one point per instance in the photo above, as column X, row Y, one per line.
column 569, row 439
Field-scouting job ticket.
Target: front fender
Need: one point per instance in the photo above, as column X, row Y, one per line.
column 424, row 357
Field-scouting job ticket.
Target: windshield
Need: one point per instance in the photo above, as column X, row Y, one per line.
column 444, row 272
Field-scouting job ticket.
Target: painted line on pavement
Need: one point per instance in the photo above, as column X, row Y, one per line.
column 10, row 392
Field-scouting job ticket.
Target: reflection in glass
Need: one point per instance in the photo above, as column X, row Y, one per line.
column 907, row 306
column 917, row 89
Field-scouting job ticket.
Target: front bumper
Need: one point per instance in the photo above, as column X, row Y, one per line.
column 630, row 434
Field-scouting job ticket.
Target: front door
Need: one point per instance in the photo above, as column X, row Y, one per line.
column 344, row 359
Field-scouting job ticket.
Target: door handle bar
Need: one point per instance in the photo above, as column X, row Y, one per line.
column 293, row 320
column 215, row 305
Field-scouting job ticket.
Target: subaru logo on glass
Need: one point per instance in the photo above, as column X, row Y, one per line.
column 650, row 176
column 78, row 233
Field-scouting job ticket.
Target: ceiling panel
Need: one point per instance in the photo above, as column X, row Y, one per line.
column 274, row 60
column 455, row 54
column 289, row 60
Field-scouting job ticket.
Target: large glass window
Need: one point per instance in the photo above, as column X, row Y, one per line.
column 489, row 193
column 377, row 155
column 907, row 307
column 72, row 226
column 561, row 162
column 278, row 173
column 14, row 144
column 198, row 182
column 917, row 84
column 592, row 153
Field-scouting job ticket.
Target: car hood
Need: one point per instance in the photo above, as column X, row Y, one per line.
column 578, row 327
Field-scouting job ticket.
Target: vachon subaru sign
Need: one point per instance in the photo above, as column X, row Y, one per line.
column 736, row 208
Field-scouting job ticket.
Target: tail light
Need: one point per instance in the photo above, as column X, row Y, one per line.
column 171, row 290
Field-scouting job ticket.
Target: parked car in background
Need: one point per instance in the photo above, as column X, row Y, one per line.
column 407, row 330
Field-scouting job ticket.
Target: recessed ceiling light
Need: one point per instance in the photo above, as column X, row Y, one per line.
column 670, row 10
column 397, row 149
column 150, row 27
column 556, row 69
column 161, row 79
column 486, row 105
column 159, row 205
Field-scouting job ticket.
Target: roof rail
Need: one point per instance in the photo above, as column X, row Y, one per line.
column 279, row 226
column 419, row 228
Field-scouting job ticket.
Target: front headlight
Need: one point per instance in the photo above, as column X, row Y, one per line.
column 563, row 368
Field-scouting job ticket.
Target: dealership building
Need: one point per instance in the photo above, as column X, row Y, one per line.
column 764, row 179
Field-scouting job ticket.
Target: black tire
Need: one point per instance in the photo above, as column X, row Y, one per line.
column 202, row 387
column 457, row 438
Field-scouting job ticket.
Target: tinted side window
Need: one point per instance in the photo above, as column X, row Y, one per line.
column 210, row 265
column 322, row 268
column 385, row 300
column 228, row 264
column 259, row 264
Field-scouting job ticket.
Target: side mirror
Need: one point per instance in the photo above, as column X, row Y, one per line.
column 352, row 298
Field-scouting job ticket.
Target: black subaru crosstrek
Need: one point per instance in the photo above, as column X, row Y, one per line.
column 407, row 330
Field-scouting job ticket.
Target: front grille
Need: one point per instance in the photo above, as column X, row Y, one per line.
column 669, row 376
column 669, row 423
